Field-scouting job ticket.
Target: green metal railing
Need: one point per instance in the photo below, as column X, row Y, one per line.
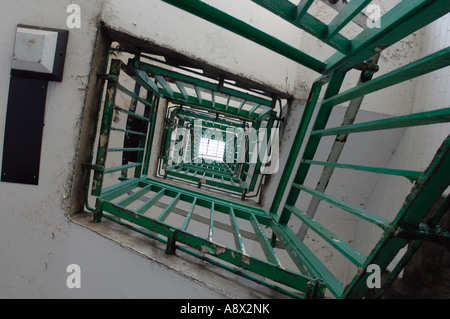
column 148, row 205
column 240, row 176
column 257, row 244
column 244, row 224
column 391, row 241
column 147, row 118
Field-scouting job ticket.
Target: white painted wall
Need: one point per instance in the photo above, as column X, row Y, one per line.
column 34, row 232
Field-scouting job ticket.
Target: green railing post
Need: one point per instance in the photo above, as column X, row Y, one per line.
column 108, row 114
column 321, row 120
column 295, row 149
column 143, row 141
column 151, row 134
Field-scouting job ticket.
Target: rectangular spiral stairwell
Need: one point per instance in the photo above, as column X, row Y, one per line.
column 249, row 241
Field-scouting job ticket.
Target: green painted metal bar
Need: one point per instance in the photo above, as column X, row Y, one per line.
column 295, row 148
column 254, row 108
column 114, row 191
column 133, row 95
column 417, row 119
column 255, row 265
column 412, row 249
column 377, row 220
column 163, row 216
column 133, row 197
column 429, row 184
column 222, row 204
column 182, row 89
column 146, row 81
column 288, row 11
column 410, row 175
column 210, row 182
column 241, row 105
column 209, row 170
column 348, row 251
column 128, row 131
column 134, row 98
column 143, row 140
column 264, row 242
column 207, row 105
column 164, row 84
column 361, row 19
column 351, row 10
column 189, row 215
column 428, row 189
column 151, row 133
column 239, row 27
column 262, row 150
column 436, row 234
column 418, row 203
column 167, row 138
column 115, row 187
column 228, row 102
column 126, row 149
column 302, row 8
column 306, row 260
column 122, row 167
column 146, row 206
column 422, row 66
column 337, row 147
column 236, row 233
column 140, row 117
column 197, row 82
column 200, row 256
column 245, row 167
column 333, row 88
column 106, row 123
column 217, row 125
column 402, row 20
column 257, row 280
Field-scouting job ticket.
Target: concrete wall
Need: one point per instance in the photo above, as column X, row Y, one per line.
column 34, row 232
